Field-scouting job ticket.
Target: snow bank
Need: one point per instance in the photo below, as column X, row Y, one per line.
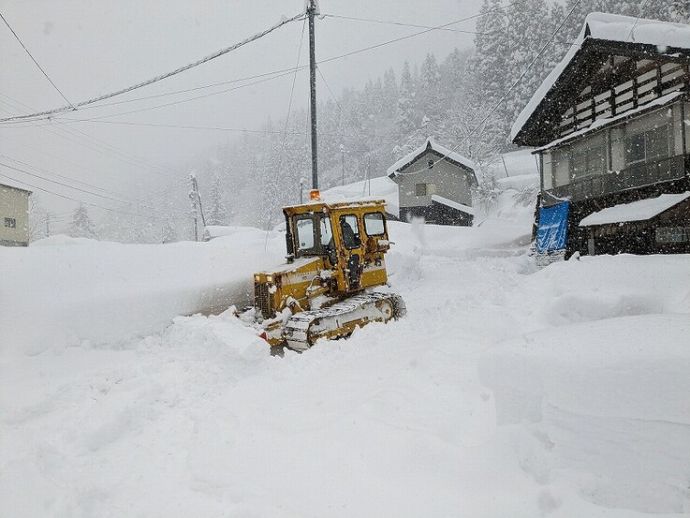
column 61, row 291
column 600, row 391
column 381, row 188
column 506, row 390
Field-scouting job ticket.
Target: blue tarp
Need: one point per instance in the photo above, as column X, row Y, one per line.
column 552, row 232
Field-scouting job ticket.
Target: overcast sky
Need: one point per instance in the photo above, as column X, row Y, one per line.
column 90, row 47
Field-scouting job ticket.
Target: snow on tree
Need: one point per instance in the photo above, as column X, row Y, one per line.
column 217, row 213
column 38, row 219
column 81, row 225
column 406, row 116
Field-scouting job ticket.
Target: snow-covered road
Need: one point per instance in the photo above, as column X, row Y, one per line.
column 504, row 392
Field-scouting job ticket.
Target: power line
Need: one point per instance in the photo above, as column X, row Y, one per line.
column 172, row 103
column 48, row 191
column 401, row 24
column 36, row 62
column 161, row 77
column 510, row 89
column 101, row 146
column 292, row 93
column 150, row 210
column 282, row 73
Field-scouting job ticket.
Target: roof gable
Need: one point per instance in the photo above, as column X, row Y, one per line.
column 440, row 151
column 602, row 35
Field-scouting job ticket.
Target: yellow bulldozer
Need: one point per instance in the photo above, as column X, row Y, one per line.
column 335, row 256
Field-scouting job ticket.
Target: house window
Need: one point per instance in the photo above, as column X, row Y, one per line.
column 672, row 235
column 420, row 189
column 588, row 158
column 647, row 146
column 10, row 223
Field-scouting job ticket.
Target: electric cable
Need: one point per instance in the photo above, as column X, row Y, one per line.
column 510, row 89
column 161, row 77
column 36, row 62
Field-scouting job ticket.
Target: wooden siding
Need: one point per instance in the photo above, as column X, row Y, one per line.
column 620, row 86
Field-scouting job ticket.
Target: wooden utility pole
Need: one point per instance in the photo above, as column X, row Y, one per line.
column 313, row 10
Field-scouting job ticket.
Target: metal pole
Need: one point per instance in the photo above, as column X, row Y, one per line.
column 311, row 12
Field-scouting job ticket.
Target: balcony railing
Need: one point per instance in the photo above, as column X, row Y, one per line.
column 637, row 175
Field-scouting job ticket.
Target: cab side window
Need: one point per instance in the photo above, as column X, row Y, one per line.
column 350, row 231
column 305, row 234
column 373, row 224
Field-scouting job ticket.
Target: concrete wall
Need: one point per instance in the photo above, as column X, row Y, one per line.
column 445, row 179
column 14, row 204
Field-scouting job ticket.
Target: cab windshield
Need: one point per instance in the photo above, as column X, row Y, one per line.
column 313, row 235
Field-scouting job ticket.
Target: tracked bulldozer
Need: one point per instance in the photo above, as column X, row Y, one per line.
column 335, row 259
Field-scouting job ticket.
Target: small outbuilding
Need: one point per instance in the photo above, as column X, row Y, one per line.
column 14, row 216
column 436, row 184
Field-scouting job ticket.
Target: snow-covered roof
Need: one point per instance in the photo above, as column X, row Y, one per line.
column 452, row 204
column 640, row 210
column 609, row 27
column 602, row 123
column 434, row 146
column 16, row 187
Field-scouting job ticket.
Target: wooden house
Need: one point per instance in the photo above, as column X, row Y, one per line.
column 14, row 216
column 610, row 124
column 436, row 184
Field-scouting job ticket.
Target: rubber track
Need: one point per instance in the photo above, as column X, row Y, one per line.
column 297, row 326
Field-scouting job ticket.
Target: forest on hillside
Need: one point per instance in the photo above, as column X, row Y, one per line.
column 466, row 100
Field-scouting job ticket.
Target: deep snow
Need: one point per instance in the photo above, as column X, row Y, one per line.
column 506, row 391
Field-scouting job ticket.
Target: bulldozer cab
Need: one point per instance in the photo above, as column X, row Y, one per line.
column 351, row 237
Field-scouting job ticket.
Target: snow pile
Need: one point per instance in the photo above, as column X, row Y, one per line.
column 600, row 393
column 61, row 291
column 381, row 188
column 580, row 410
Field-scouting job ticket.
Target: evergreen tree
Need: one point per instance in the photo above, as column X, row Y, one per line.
column 527, row 32
column 429, row 97
column 81, row 225
column 406, row 116
column 217, row 213
column 491, row 64
column 390, row 93
column 169, row 231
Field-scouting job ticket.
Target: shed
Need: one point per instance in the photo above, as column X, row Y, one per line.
column 435, row 183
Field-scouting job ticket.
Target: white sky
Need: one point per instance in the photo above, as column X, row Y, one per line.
column 90, row 47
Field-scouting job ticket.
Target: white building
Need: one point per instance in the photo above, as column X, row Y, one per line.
column 14, row 216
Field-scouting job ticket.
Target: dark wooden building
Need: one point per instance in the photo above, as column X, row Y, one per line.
column 610, row 124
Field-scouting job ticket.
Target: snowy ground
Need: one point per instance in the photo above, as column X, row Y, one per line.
column 506, row 391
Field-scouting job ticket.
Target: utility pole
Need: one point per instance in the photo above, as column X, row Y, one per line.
column 47, row 224
column 313, row 10
column 196, row 205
